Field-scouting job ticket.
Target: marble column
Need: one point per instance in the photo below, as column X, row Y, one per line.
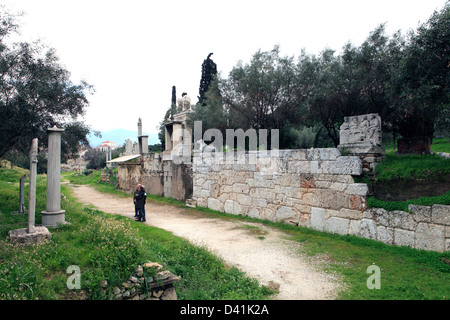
column 32, row 186
column 54, row 215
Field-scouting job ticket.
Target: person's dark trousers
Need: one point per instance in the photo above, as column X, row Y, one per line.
column 136, row 211
column 142, row 214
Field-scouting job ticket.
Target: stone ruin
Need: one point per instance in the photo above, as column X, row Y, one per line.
column 361, row 136
column 361, row 133
column 139, row 287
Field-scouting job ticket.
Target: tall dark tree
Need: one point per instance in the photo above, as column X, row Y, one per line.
column 209, row 73
column 168, row 115
column 423, row 78
column 173, row 105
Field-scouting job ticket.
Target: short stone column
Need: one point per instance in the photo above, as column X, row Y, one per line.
column 54, row 215
column 33, row 234
column 32, row 186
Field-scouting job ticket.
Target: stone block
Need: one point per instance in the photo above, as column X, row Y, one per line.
column 288, row 215
column 440, row 214
column 254, row 213
column 350, row 214
column 368, row 229
column 385, row 234
column 379, row 215
column 347, row 165
column 358, row 189
column 259, row 202
column 337, row 186
column 402, row 220
column 21, row 236
column 240, row 188
column 311, row 199
column 329, row 153
column 299, row 154
column 420, row 213
column 244, row 199
column 404, row 238
column 307, row 181
column 202, row 202
column 337, row 225
column 430, row 237
column 357, row 203
column 354, row 227
column 328, row 199
column 317, row 219
column 215, row 204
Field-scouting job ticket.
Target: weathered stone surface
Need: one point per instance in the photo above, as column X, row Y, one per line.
column 359, row 189
column 215, row 204
column 430, row 237
column 402, row 220
column 404, row 238
column 337, row 225
column 169, row 294
column 315, row 188
column 440, row 214
column 354, row 227
column 21, row 236
column 420, row 213
column 385, row 234
column 317, row 219
column 368, row 229
column 139, row 287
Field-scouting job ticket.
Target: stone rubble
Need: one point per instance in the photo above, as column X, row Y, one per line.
column 139, row 287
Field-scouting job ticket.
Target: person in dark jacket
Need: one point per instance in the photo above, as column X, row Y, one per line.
column 134, row 200
column 140, row 201
column 145, row 200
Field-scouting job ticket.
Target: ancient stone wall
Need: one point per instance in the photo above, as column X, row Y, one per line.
column 160, row 177
column 284, row 187
column 311, row 188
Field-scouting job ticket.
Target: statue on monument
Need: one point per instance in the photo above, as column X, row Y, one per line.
column 184, row 103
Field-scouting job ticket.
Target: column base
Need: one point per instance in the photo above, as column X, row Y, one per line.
column 21, row 236
column 53, row 218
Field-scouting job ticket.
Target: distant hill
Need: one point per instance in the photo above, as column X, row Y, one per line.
column 119, row 136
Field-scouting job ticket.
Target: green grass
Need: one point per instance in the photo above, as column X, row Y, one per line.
column 441, row 145
column 406, row 274
column 409, row 168
column 39, row 272
column 396, row 170
column 107, row 247
column 373, row 202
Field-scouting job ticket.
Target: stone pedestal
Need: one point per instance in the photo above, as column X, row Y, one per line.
column 21, row 236
column 54, row 215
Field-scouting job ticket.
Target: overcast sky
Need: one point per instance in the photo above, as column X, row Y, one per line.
column 134, row 51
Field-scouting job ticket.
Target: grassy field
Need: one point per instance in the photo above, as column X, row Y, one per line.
column 105, row 247
column 396, row 170
column 406, row 273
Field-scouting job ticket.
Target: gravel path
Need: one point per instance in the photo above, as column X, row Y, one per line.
column 261, row 252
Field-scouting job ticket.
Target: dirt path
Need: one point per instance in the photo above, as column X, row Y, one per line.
column 261, row 252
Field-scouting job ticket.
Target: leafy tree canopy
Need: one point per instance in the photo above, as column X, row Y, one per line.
column 36, row 93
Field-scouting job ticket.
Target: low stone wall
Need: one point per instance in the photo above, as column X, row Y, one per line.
column 425, row 228
column 311, row 188
column 282, row 187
